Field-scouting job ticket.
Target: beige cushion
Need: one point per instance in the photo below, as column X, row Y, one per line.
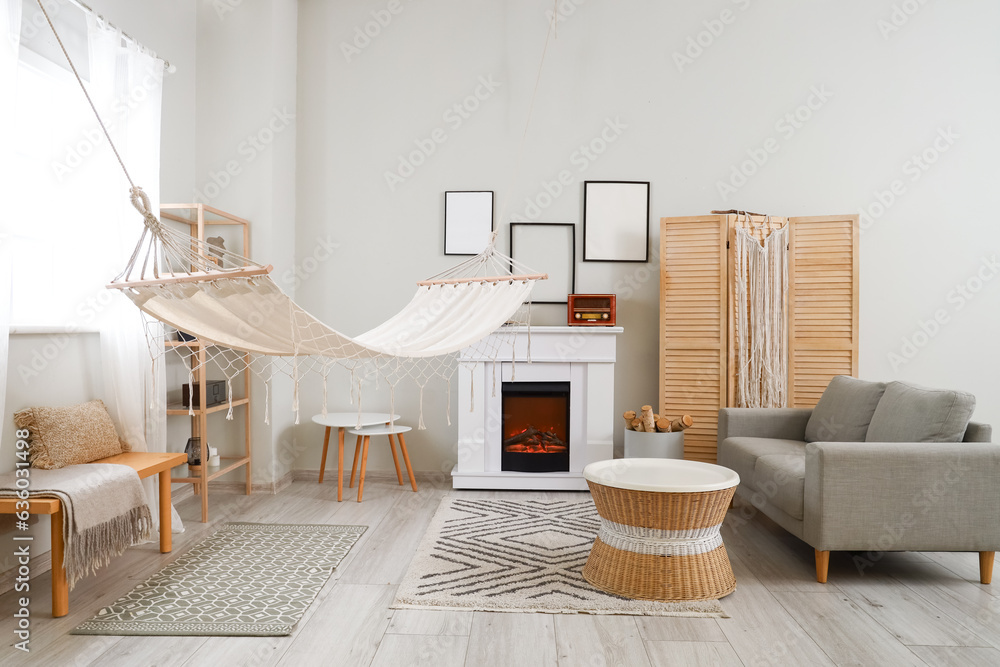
column 782, row 478
column 844, row 410
column 911, row 413
column 59, row 437
column 741, row 454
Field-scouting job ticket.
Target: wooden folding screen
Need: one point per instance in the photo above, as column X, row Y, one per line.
column 822, row 304
column 696, row 369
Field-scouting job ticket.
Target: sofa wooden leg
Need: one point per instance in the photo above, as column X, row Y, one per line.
column 986, row 566
column 822, row 565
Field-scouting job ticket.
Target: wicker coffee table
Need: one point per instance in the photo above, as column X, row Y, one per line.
column 659, row 537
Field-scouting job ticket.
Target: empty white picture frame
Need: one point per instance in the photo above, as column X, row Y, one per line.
column 547, row 247
column 468, row 221
column 615, row 221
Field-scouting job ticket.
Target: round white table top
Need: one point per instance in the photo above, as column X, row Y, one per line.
column 661, row 475
column 352, row 419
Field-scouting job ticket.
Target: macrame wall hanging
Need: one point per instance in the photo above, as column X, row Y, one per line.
column 760, row 285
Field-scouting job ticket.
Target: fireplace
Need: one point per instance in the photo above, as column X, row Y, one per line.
column 572, row 366
column 535, row 427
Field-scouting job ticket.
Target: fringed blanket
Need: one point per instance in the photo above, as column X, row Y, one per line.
column 104, row 511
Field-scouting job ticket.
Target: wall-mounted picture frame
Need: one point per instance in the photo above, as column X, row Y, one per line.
column 547, row 247
column 616, row 221
column 468, row 221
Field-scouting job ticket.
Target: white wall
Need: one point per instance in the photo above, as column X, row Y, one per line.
column 883, row 99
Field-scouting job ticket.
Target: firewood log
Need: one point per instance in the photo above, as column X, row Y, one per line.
column 681, row 423
column 637, row 425
column 629, row 416
column 648, row 424
column 663, row 425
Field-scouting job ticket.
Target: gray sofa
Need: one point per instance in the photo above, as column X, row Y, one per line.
column 818, row 474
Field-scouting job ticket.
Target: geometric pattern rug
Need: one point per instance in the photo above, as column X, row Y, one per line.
column 518, row 556
column 247, row 579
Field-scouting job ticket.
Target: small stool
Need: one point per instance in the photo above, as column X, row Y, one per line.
column 364, row 435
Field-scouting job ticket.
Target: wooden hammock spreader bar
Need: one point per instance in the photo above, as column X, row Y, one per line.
column 486, row 279
column 194, row 277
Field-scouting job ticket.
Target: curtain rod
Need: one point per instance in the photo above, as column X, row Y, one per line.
column 166, row 63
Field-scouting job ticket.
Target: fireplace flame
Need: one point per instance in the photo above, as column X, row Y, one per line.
column 535, row 440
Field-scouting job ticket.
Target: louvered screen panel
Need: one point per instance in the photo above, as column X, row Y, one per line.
column 822, row 304
column 693, row 327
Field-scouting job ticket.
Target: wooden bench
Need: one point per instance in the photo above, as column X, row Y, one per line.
column 145, row 464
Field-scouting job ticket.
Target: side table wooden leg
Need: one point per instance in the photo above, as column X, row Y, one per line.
column 395, row 459
column 322, row 462
column 165, row 517
column 340, row 463
column 354, row 468
column 364, row 463
column 60, row 589
column 406, row 460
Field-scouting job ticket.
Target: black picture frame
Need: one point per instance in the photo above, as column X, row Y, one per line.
column 465, row 221
column 538, row 263
column 604, row 229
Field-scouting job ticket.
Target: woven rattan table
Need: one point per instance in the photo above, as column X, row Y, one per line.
column 659, row 537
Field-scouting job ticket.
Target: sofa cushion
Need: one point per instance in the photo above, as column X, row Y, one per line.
column 782, row 480
column 741, row 454
column 911, row 413
column 844, row 410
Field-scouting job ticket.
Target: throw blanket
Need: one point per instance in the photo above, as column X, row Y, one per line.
column 104, row 511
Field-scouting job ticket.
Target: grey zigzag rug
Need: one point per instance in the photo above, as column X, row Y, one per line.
column 518, row 556
column 247, row 579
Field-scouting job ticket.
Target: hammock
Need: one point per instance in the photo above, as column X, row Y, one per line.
column 230, row 303
column 228, row 300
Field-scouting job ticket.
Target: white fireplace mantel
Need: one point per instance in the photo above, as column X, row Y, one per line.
column 582, row 356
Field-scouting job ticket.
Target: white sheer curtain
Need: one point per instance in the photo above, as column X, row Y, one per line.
column 10, row 35
column 126, row 84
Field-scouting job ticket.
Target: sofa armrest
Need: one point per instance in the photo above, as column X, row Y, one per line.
column 876, row 496
column 781, row 423
column 978, row 432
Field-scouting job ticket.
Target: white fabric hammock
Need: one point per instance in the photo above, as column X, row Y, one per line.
column 255, row 316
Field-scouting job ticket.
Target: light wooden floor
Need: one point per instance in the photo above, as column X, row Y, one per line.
column 908, row 609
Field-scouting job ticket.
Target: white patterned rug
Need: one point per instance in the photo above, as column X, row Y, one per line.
column 518, row 556
column 248, row 579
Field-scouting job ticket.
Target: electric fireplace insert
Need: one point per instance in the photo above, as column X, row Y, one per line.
column 535, row 427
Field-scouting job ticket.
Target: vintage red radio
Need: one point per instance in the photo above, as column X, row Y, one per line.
column 591, row 310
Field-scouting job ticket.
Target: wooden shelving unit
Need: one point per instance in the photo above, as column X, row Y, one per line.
column 198, row 217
